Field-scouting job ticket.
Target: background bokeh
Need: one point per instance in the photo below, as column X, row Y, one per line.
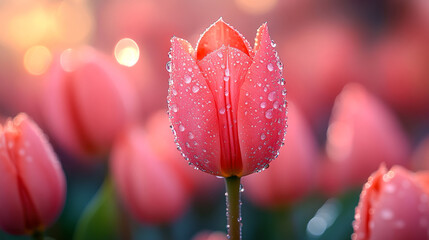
column 357, row 75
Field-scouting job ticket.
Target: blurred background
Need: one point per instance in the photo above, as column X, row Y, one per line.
column 92, row 75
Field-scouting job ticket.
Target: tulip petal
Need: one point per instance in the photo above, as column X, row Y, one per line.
column 392, row 206
column 40, row 171
column 12, row 217
column 262, row 107
column 218, row 34
column 192, row 110
column 225, row 71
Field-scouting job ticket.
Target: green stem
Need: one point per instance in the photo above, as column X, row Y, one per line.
column 38, row 235
column 233, row 207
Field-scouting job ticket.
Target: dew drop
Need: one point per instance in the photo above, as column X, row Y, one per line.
column 195, row 89
column 386, row 214
column 174, row 108
column 226, row 78
column 174, row 92
column 263, row 136
column 219, row 54
column 280, row 65
column 263, row 105
column 276, row 105
column 222, row 110
column 273, row 44
column 168, row 66
column 189, row 69
column 272, row 96
column 270, row 67
column 226, row 93
column 269, row 114
column 191, row 135
column 181, row 128
column 188, row 79
column 227, row 72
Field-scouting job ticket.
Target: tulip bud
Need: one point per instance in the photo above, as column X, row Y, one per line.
column 292, row 174
column 227, row 102
column 87, row 101
column 362, row 134
column 393, row 205
column 149, row 186
column 32, row 183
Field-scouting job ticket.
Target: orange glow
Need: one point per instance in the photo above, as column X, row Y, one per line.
column 127, row 52
column 37, row 60
column 256, row 7
column 26, row 28
column 73, row 23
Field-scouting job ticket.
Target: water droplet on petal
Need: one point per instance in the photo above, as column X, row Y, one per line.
column 174, row 108
column 227, row 72
column 263, row 136
column 272, row 96
column 386, row 214
column 276, row 105
column 226, row 78
column 168, row 66
column 273, row 44
column 269, row 114
column 219, row 54
column 270, row 67
column 181, row 128
column 263, row 105
column 188, row 79
column 174, row 92
column 280, row 65
column 222, row 110
column 195, row 89
column 189, row 69
column 191, row 135
column 226, row 93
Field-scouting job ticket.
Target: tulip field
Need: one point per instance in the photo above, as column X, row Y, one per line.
column 214, row 120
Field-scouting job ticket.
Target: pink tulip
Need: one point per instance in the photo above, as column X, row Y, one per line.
column 291, row 176
column 32, row 183
column 393, row 205
column 227, row 101
column 87, row 107
column 362, row 134
column 148, row 185
column 161, row 141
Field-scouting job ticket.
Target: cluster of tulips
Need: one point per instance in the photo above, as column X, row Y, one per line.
column 227, row 116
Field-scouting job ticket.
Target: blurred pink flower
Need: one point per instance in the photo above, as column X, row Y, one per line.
column 210, row 236
column 393, row 205
column 292, row 175
column 322, row 56
column 149, row 186
column 401, row 61
column 161, row 141
column 32, row 182
column 227, row 101
column 362, row 134
column 86, row 106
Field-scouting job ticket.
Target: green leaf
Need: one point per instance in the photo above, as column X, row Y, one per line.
column 100, row 218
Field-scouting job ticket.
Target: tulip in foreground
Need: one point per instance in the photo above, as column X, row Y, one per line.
column 393, row 205
column 227, row 105
column 32, row 183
